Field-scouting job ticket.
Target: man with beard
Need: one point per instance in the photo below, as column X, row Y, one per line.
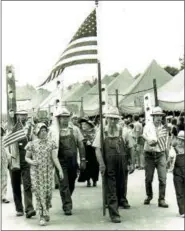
column 23, row 174
column 69, row 139
column 114, row 162
column 156, row 148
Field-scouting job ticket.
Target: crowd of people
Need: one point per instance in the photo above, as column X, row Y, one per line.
column 69, row 149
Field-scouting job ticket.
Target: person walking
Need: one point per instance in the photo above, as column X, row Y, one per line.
column 92, row 167
column 114, row 162
column 155, row 148
column 42, row 155
column 23, row 174
column 69, row 140
column 179, row 171
column 5, row 158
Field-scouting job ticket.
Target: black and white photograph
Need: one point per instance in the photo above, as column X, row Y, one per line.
column 92, row 115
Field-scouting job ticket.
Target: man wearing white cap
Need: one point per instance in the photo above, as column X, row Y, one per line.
column 114, row 162
column 68, row 139
column 155, row 148
column 23, row 172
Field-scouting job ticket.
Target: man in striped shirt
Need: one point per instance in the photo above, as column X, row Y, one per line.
column 155, row 148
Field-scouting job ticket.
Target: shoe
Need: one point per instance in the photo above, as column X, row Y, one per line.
column 116, row 219
column 125, row 205
column 5, row 201
column 182, row 215
column 162, row 204
column 147, row 201
column 94, row 184
column 19, row 214
column 68, row 213
column 30, row 214
column 42, row 222
column 88, row 184
column 47, row 218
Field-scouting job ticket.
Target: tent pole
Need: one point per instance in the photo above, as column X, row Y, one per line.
column 155, row 93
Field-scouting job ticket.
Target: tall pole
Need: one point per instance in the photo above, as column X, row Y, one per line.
column 101, row 116
column 155, row 92
column 117, row 99
column 11, row 110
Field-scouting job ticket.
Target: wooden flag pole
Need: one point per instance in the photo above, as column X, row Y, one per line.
column 155, row 93
column 11, row 110
column 101, row 122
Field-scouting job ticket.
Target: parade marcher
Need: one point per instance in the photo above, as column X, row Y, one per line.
column 23, row 174
column 155, row 148
column 114, row 162
column 181, row 124
column 5, row 158
column 42, row 155
column 179, row 171
column 92, row 167
column 74, row 120
column 138, row 131
column 69, row 140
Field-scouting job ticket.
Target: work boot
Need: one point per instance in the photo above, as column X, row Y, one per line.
column 94, row 184
column 19, row 214
column 125, row 205
column 30, row 214
column 147, row 201
column 68, row 212
column 88, row 183
column 162, row 204
column 116, row 219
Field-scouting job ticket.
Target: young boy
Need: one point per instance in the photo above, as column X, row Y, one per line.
column 178, row 172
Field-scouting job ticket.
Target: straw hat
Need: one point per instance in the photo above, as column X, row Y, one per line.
column 22, row 112
column 113, row 112
column 86, row 120
column 181, row 135
column 39, row 126
column 62, row 111
column 157, row 111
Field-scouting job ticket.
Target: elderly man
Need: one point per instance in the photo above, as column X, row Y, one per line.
column 114, row 162
column 155, row 148
column 69, row 139
column 23, row 173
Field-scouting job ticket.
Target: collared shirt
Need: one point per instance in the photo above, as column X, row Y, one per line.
column 153, row 133
column 125, row 135
column 76, row 132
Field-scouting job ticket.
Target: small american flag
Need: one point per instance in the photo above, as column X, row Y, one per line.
column 162, row 135
column 82, row 49
column 16, row 135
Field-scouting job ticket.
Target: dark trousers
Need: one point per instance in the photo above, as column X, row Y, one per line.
column 67, row 185
column 16, row 176
column 115, row 181
column 122, row 198
column 155, row 160
column 179, row 182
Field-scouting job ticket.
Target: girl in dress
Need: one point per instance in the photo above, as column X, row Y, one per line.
column 42, row 156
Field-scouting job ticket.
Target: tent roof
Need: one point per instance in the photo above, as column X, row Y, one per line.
column 145, row 81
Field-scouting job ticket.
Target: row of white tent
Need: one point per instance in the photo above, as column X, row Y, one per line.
column 170, row 91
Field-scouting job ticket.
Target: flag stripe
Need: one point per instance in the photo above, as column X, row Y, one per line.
column 15, row 139
column 72, row 59
column 81, row 44
column 13, row 134
column 77, row 53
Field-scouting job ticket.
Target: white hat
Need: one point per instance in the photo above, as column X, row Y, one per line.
column 181, row 135
column 38, row 127
column 62, row 111
column 21, row 112
column 157, row 111
column 113, row 112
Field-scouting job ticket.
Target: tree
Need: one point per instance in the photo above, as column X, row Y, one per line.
column 181, row 60
column 171, row 70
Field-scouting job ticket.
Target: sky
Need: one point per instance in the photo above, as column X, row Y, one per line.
column 131, row 34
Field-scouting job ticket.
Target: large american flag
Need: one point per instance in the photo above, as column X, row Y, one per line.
column 82, row 49
column 162, row 137
column 16, row 135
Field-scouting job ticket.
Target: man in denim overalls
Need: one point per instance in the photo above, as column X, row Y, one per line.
column 114, row 162
column 69, row 139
